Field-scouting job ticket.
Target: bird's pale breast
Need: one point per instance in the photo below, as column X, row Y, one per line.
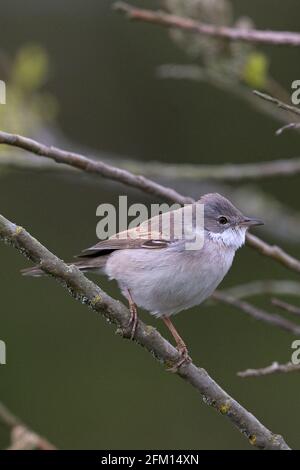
column 164, row 282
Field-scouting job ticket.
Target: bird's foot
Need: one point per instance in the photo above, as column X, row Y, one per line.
column 132, row 324
column 184, row 358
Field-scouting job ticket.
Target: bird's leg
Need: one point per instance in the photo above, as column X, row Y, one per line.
column 180, row 345
column 133, row 315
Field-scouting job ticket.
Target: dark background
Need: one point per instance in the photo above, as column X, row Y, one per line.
column 68, row 375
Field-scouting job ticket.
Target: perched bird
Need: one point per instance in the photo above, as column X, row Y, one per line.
column 155, row 271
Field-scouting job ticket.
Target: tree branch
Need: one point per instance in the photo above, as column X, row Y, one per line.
column 225, row 172
column 291, row 125
column 280, row 104
column 267, row 207
column 202, row 74
column 274, row 252
column 267, row 286
column 274, row 368
column 93, row 166
column 90, row 294
column 277, row 102
column 224, row 32
column 148, row 186
column 257, row 313
column 286, row 306
column 22, row 437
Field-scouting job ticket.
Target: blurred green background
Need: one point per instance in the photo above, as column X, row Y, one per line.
column 68, row 375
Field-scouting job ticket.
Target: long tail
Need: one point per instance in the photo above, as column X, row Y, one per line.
column 34, row 272
column 86, row 265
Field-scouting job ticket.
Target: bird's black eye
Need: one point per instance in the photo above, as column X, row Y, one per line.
column 223, row 220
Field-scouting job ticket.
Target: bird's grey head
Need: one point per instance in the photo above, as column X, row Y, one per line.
column 223, row 222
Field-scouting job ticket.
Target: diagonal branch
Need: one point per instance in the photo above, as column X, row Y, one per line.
column 286, row 306
column 274, row 368
column 274, row 252
column 23, row 438
column 216, row 172
column 93, row 166
column 257, row 313
column 280, row 104
column 292, row 125
column 201, row 74
column 223, row 172
column 187, row 24
column 126, row 177
column 90, row 294
column 266, row 286
column 277, row 102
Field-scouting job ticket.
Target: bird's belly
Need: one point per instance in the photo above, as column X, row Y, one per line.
column 166, row 283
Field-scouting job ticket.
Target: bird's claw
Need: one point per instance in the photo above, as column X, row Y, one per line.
column 132, row 323
column 184, row 358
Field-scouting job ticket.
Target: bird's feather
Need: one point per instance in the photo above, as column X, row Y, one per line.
column 155, row 233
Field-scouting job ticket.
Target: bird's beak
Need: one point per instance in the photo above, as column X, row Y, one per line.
column 250, row 222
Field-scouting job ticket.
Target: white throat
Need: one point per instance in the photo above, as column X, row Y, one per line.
column 233, row 237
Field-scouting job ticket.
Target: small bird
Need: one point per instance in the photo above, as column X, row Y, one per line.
column 156, row 272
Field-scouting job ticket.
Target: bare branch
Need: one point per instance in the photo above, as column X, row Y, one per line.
column 267, row 207
column 274, row 368
column 274, row 252
column 22, row 437
column 107, row 171
column 225, row 172
column 187, row 24
column 277, row 102
column 286, row 306
column 201, row 74
column 280, row 104
column 92, row 166
column 257, row 313
column 267, row 286
column 292, row 125
column 90, row 294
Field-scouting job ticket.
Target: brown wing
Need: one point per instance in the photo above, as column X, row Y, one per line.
column 107, row 246
column 151, row 234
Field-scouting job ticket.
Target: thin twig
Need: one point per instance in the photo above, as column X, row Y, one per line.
column 292, row 125
column 93, row 166
column 187, row 24
column 197, row 73
column 23, row 438
column 274, row 368
column 268, row 286
column 267, row 207
column 224, row 172
column 286, row 306
column 274, row 252
column 7, row 417
column 280, row 104
column 108, row 171
column 277, row 102
column 257, row 313
column 90, row 294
